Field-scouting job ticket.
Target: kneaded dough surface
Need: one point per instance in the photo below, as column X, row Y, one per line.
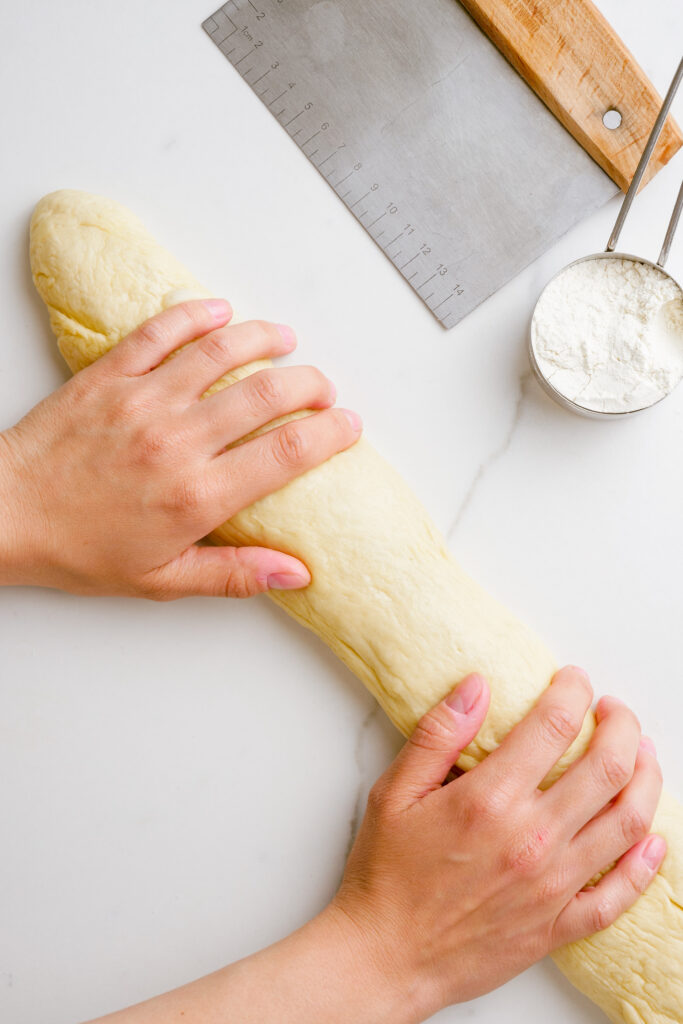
column 386, row 594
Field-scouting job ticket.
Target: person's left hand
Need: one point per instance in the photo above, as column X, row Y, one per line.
column 107, row 484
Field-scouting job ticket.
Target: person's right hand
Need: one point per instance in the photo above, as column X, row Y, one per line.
column 108, row 483
column 452, row 889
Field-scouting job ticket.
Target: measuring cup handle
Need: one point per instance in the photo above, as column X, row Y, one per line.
column 642, row 164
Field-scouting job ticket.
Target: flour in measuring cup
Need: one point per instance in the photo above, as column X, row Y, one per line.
column 608, row 334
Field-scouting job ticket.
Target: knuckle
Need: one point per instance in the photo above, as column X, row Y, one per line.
column 528, row 851
column 603, row 914
column 154, row 445
column 240, row 584
column 215, row 348
column 613, row 769
column 186, row 498
column 431, row 733
column 126, row 406
column 264, row 390
column 551, row 889
column 260, row 331
column 633, row 825
column 559, row 723
column 488, row 805
column 378, row 798
column 290, row 447
column 152, row 331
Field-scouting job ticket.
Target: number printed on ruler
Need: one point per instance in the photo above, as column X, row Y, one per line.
column 247, row 33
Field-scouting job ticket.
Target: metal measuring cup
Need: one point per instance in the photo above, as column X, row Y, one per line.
column 609, row 253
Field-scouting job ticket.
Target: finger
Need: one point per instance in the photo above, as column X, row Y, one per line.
column 605, row 768
column 227, row 572
column 624, row 823
column 530, row 750
column 594, row 909
column 150, row 343
column 268, row 462
column 259, row 399
column 437, row 741
column 199, row 366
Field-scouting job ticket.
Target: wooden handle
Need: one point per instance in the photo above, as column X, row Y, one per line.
column 574, row 61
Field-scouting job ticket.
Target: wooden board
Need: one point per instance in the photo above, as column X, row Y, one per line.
column 574, row 61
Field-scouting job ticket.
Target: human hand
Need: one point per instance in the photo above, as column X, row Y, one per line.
column 108, row 483
column 450, row 890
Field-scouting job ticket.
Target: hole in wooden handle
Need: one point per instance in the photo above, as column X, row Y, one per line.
column 611, row 119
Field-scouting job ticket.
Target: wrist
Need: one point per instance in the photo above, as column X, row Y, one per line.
column 383, row 987
column 19, row 562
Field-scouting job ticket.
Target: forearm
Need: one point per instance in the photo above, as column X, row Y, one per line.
column 317, row 975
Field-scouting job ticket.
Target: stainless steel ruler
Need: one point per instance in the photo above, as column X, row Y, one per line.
column 426, row 134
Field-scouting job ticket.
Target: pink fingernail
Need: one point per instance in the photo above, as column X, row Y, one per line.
column 466, row 695
column 219, row 308
column 647, row 744
column 288, row 336
column 653, row 852
column 287, row 581
column 333, row 393
column 354, row 419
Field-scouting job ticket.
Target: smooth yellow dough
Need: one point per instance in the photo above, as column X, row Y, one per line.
column 386, row 596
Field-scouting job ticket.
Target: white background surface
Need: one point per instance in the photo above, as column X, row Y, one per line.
column 176, row 792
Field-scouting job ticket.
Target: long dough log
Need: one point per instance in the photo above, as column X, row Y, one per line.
column 386, row 595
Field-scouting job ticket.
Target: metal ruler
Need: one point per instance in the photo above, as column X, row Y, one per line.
column 426, row 134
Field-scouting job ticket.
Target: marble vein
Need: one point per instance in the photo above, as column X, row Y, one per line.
column 360, row 761
column 493, row 458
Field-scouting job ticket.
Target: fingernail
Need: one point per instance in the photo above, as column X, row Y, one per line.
column 287, row 581
column 354, row 419
column 647, row 744
column 577, row 668
column 219, row 308
column 653, row 852
column 333, row 393
column 288, row 336
column 466, row 695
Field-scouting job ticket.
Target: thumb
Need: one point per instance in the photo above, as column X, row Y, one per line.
column 228, row 572
column 439, row 738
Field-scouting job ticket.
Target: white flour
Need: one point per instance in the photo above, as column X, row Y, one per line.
column 608, row 334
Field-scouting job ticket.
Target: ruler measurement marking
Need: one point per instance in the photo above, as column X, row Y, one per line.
column 342, row 180
column 238, row 62
column 260, row 28
column 294, row 118
column 362, row 197
column 444, row 300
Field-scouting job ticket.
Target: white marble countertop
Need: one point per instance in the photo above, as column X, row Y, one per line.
column 175, row 792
